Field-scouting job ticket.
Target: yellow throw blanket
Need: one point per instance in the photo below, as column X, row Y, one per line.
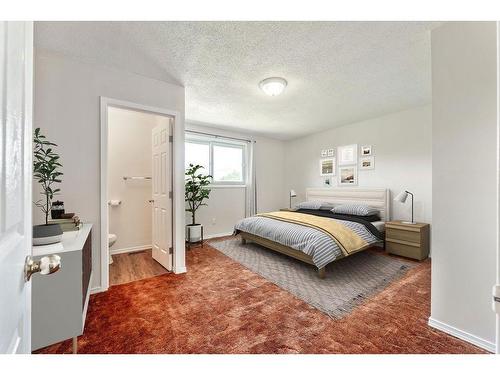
column 348, row 241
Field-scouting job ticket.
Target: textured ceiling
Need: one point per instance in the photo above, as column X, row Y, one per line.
column 337, row 72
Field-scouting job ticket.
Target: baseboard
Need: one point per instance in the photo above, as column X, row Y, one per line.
column 180, row 270
column 210, row 236
column 97, row 289
column 129, row 249
column 458, row 333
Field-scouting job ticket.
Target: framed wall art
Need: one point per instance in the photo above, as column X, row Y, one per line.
column 348, row 176
column 347, row 154
column 327, row 167
column 366, row 150
column 367, row 162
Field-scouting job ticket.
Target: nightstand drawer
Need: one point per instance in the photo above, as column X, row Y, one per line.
column 409, row 251
column 402, row 235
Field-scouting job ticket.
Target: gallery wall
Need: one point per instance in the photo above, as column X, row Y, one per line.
column 402, row 150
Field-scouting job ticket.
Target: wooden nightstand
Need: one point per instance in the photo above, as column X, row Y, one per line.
column 407, row 240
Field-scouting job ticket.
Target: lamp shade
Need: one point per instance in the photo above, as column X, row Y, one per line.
column 293, row 193
column 401, row 197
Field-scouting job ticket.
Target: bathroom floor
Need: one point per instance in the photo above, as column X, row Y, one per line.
column 133, row 266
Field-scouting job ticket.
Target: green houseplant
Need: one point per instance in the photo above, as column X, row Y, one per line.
column 46, row 172
column 197, row 192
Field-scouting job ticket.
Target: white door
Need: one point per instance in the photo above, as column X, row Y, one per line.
column 162, row 195
column 16, row 68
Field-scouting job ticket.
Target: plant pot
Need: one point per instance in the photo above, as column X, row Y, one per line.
column 194, row 233
column 47, row 234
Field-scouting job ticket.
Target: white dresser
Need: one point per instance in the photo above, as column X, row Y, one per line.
column 59, row 301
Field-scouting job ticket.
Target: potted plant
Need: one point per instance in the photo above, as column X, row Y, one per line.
column 46, row 172
column 196, row 193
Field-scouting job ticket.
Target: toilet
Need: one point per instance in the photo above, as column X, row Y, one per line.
column 111, row 241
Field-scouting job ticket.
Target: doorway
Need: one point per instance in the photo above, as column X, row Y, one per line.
column 137, row 210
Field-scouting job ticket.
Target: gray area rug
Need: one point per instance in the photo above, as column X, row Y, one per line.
column 348, row 283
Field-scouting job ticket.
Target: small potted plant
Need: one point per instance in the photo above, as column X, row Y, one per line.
column 196, row 193
column 46, row 172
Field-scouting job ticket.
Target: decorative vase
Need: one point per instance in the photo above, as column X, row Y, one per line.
column 47, row 234
column 194, row 232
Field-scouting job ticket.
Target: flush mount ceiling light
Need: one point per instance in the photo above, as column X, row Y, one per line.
column 273, row 86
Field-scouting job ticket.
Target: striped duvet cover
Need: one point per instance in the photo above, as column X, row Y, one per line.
column 321, row 247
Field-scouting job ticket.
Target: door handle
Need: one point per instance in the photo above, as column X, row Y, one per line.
column 46, row 265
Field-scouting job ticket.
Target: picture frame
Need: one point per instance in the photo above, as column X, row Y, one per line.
column 327, row 181
column 324, row 153
column 327, row 167
column 348, row 154
column 348, row 175
column 366, row 150
column 367, row 162
column 331, row 152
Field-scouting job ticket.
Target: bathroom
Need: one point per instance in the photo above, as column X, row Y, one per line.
column 130, row 190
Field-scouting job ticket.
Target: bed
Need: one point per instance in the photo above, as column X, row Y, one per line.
column 320, row 238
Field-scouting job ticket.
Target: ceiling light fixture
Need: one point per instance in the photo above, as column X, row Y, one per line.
column 273, row 86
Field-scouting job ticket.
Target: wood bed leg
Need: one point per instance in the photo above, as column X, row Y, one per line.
column 243, row 241
column 322, row 272
column 75, row 345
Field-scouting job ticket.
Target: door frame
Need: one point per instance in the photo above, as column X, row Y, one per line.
column 497, row 325
column 177, row 172
column 28, row 163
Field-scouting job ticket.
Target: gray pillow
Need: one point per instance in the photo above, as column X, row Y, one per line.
column 316, row 205
column 325, row 206
column 355, row 209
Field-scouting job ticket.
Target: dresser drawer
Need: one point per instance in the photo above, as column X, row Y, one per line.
column 414, row 252
column 402, row 235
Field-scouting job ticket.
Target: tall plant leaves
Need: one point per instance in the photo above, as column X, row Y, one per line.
column 46, row 170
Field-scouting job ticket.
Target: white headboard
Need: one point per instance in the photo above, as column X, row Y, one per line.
column 378, row 198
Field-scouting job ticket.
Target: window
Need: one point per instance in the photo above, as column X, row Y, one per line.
column 227, row 163
column 224, row 160
column 198, row 153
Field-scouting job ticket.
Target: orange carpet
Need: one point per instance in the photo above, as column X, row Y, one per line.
column 221, row 307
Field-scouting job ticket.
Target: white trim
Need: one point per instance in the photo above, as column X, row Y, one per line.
column 97, row 289
column 227, row 186
column 180, row 270
column 124, row 250
column 28, row 168
column 210, row 236
column 177, row 166
column 462, row 335
column 497, row 320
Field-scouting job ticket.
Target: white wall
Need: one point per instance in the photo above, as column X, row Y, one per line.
column 227, row 204
column 464, row 175
column 401, row 143
column 67, row 108
column 129, row 154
